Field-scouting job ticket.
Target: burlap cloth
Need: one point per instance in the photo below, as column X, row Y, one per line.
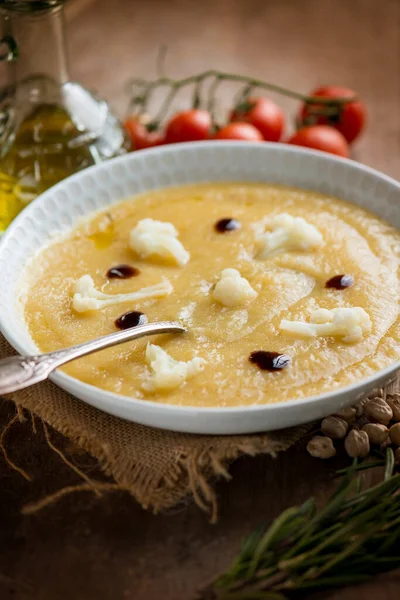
column 159, row 468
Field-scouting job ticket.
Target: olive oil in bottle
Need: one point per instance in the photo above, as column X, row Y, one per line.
column 45, row 150
column 50, row 127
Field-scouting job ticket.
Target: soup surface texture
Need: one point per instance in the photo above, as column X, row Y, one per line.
column 286, row 263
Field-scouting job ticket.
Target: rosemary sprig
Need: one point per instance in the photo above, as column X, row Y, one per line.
column 356, row 535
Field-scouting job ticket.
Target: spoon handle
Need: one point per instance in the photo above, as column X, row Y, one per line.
column 18, row 372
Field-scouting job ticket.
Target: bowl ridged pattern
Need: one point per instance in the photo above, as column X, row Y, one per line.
column 58, row 210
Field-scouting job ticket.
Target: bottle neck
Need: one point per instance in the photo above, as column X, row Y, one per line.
column 40, row 39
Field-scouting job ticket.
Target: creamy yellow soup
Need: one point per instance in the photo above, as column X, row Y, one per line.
column 289, row 284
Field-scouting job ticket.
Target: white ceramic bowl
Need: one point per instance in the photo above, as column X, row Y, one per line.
column 97, row 187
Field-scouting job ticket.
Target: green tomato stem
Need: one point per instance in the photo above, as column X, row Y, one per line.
column 329, row 107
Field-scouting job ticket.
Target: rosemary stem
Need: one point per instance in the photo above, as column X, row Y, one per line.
column 356, row 535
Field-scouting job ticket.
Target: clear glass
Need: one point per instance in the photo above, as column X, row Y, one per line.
column 50, row 127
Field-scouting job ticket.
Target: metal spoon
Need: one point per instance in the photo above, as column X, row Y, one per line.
column 18, row 372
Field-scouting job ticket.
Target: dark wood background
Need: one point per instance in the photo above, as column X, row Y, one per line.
column 110, row 549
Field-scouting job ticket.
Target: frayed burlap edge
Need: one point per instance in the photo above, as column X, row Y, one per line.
column 159, row 468
column 189, row 469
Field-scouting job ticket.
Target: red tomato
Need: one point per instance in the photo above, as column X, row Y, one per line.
column 239, row 131
column 188, row 126
column 350, row 122
column 265, row 115
column 140, row 136
column 321, row 137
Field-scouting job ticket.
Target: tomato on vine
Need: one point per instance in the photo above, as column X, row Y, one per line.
column 349, row 119
column 264, row 115
column 140, row 135
column 239, row 131
column 188, row 126
column 321, row 137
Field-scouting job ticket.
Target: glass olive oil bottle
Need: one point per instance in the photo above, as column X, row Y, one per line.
column 50, row 127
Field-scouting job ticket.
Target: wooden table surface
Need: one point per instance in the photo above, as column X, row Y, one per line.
column 110, row 549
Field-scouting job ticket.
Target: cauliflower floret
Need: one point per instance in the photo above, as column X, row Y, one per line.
column 233, row 290
column 155, row 238
column 168, row 373
column 289, row 233
column 86, row 297
column 350, row 324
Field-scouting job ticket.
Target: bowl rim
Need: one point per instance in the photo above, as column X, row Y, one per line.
column 67, row 382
